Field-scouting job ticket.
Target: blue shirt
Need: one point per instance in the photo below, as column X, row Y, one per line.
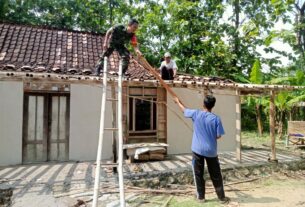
column 207, row 127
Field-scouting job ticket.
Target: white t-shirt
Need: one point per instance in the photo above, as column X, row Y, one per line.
column 170, row 65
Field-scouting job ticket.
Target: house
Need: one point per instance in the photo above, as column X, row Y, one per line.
column 50, row 101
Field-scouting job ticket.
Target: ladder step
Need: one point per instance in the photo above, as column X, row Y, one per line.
column 112, row 99
column 109, row 164
column 111, row 129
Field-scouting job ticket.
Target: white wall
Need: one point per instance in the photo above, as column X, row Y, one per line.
column 11, row 113
column 85, row 104
column 179, row 136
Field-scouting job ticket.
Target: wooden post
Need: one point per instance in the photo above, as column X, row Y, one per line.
column 272, row 125
column 114, row 125
column 238, row 126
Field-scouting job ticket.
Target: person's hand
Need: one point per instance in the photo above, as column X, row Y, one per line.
column 176, row 100
column 139, row 53
column 104, row 47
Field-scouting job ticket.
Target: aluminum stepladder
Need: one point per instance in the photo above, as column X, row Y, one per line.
column 101, row 137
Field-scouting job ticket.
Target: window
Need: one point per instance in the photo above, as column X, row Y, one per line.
column 142, row 112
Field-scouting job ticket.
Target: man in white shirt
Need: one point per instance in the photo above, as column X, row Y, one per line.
column 168, row 67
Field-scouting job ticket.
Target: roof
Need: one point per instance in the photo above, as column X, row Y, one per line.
column 41, row 49
column 39, row 52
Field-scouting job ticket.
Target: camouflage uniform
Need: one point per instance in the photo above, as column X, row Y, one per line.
column 117, row 42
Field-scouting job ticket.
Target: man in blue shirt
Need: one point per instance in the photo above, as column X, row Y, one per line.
column 207, row 129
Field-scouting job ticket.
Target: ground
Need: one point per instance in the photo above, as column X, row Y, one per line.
column 254, row 182
column 278, row 190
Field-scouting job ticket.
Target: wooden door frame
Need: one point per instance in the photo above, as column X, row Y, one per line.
column 46, row 123
column 67, row 95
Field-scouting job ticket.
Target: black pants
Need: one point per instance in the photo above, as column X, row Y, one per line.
column 123, row 52
column 166, row 73
column 215, row 175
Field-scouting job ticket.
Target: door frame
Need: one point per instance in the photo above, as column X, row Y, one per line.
column 46, row 141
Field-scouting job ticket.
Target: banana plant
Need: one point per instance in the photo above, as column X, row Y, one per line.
column 256, row 77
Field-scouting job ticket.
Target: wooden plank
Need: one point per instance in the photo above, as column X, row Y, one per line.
column 62, row 151
column 140, row 140
column 54, row 132
column 114, row 123
column 54, row 118
column 45, row 126
column 143, row 137
column 53, row 153
column 30, row 152
column 39, row 117
column 31, row 118
column 40, row 156
column 25, row 127
column 62, row 117
column 161, row 114
column 135, row 91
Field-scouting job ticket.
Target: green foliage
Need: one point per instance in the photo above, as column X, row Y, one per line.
column 256, row 75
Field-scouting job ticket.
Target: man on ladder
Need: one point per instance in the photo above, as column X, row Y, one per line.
column 115, row 39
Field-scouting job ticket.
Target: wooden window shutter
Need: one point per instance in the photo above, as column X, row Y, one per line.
column 161, row 115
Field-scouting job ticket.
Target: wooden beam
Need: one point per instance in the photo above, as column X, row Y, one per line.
column 238, row 126
column 272, row 125
column 114, row 125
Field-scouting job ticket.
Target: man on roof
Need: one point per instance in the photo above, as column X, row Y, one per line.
column 168, row 67
column 116, row 38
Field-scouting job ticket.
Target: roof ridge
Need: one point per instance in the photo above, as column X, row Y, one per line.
column 48, row 27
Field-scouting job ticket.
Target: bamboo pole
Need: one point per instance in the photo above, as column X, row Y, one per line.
column 101, row 138
column 120, row 126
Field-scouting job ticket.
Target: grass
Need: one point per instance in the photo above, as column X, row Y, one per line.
column 251, row 140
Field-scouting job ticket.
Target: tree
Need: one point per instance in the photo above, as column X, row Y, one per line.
column 256, row 77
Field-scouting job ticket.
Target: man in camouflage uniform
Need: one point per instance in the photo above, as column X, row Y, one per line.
column 115, row 39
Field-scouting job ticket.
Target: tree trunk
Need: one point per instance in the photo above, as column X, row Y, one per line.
column 300, row 19
column 281, row 125
column 111, row 10
column 236, row 36
column 259, row 120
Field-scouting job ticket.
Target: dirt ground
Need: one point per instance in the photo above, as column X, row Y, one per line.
column 280, row 189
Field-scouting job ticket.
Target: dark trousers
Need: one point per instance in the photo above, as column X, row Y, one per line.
column 123, row 52
column 214, row 171
column 166, row 73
